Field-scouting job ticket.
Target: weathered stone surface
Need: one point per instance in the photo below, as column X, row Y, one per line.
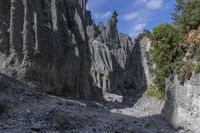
column 139, row 65
column 137, row 70
column 112, row 35
column 182, row 107
column 56, row 43
column 110, row 51
column 45, row 41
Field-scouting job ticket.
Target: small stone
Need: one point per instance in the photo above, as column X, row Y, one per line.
column 21, row 99
column 28, row 111
column 37, row 126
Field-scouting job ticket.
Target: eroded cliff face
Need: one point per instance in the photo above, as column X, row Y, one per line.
column 139, row 66
column 118, row 62
column 46, row 41
column 56, row 43
column 110, row 51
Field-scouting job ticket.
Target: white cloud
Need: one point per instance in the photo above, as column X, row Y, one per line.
column 138, row 2
column 150, row 4
column 130, row 16
column 94, row 4
column 134, row 34
column 102, row 15
column 139, row 27
column 154, row 4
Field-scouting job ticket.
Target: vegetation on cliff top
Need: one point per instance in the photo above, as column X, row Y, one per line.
column 167, row 53
column 187, row 14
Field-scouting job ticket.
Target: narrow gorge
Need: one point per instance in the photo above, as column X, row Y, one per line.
column 61, row 72
column 57, row 44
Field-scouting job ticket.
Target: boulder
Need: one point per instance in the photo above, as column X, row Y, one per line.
column 182, row 107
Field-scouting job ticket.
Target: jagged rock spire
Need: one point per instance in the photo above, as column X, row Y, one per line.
column 111, row 30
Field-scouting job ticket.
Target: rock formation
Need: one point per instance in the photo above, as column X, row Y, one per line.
column 56, row 44
column 139, row 65
column 118, row 62
column 182, row 107
column 110, row 51
column 46, row 42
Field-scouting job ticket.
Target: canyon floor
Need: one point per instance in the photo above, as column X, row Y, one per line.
column 23, row 109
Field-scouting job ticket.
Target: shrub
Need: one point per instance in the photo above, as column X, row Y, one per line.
column 145, row 33
column 197, row 68
column 185, row 72
column 197, row 54
column 187, row 14
column 156, row 93
column 166, row 51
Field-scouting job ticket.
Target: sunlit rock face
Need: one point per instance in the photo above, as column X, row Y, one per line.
column 108, row 65
column 108, row 61
column 139, row 65
column 119, row 62
column 182, row 106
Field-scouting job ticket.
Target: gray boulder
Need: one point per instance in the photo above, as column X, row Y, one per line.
column 182, row 107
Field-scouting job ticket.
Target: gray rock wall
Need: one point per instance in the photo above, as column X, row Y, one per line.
column 110, row 51
column 108, row 65
column 182, row 106
column 120, row 63
column 45, row 41
column 139, row 65
column 56, row 43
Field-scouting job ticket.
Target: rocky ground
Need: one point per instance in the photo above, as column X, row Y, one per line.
column 25, row 110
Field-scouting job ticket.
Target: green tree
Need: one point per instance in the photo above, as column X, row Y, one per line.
column 187, row 14
column 166, row 51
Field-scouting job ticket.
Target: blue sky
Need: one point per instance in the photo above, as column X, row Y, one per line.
column 134, row 15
